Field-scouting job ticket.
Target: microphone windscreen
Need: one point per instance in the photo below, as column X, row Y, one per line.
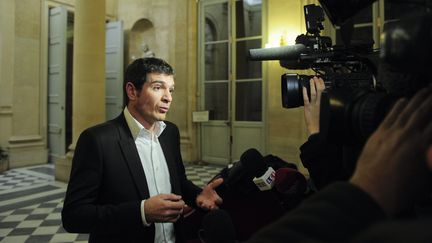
column 217, row 227
column 240, row 176
column 291, row 52
column 289, row 181
column 253, row 163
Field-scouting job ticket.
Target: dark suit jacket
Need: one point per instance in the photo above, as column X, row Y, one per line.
column 107, row 183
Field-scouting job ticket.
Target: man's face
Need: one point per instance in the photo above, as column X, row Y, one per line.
column 152, row 102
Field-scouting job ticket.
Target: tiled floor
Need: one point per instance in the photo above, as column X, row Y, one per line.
column 31, row 202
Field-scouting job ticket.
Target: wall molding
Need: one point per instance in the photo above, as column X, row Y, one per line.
column 25, row 139
column 6, row 110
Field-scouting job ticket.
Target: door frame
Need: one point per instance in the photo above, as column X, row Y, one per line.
column 233, row 125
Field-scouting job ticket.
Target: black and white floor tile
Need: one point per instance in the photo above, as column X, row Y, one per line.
column 31, row 202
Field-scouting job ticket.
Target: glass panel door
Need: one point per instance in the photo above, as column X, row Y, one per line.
column 231, row 85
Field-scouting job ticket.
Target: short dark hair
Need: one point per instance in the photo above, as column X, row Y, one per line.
column 137, row 71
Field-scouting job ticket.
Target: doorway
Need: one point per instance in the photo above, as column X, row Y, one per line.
column 231, row 86
column 60, row 61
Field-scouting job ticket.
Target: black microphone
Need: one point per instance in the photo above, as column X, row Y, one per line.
column 240, row 176
column 291, row 52
column 217, row 227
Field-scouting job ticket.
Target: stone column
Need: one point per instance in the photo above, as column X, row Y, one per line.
column 88, row 105
column 7, row 45
column 22, row 102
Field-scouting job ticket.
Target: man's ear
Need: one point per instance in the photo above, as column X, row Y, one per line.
column 131, row 91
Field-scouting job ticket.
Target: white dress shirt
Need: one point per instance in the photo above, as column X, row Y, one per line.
column 155, row 168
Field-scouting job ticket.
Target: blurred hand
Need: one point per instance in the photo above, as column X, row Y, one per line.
column 163, row 208
column 208, row 199
column 392, row 168
column 312, row 105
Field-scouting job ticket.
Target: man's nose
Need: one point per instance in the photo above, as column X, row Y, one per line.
column 167, row 96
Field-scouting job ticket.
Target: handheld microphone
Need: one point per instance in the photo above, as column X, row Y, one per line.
column 240, row 176
column 244, row 200
column 217, row 227
column 266, row 181
column 291, row 52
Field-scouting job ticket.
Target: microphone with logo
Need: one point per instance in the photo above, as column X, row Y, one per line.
column 288, row 184
column 251, row 205
column 240, row 196
column 239, row 178
column 217, row 227
column 266, row 181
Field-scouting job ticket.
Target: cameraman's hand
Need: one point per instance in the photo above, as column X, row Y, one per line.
column 312, row 106
column 392, row 168
column 163, row 208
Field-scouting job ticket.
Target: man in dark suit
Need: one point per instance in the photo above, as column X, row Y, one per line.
column 128, row 182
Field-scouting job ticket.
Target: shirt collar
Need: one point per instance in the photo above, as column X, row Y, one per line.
column 135, row 127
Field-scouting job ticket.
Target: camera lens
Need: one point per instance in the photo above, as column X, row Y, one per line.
column 292, row 94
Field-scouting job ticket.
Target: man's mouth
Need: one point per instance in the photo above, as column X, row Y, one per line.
column 163, row 109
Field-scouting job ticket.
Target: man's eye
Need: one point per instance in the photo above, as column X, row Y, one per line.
column 156, row 88
column 171, row 91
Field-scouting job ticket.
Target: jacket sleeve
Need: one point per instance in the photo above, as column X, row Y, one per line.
column 323, row 160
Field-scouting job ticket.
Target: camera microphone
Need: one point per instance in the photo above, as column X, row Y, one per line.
column 291, row 52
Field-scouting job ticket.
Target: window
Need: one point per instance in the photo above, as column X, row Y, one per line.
column 232, row 83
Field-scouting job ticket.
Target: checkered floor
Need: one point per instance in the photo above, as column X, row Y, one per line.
column 31, row 202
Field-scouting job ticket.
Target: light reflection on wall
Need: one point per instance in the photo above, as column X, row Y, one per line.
column 281, row 38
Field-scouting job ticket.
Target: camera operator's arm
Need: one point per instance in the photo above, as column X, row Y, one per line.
column 398, row 173
column 323, row 160
column 312, row 105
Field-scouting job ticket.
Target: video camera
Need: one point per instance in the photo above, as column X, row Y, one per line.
column 359, row 92
column 338, row 66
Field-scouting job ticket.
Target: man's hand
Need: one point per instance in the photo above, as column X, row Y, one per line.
column 392, row 168
column 208, row 198
column 312, row 105
column 163, row 208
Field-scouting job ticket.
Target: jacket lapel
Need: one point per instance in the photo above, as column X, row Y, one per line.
column 130, row 154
